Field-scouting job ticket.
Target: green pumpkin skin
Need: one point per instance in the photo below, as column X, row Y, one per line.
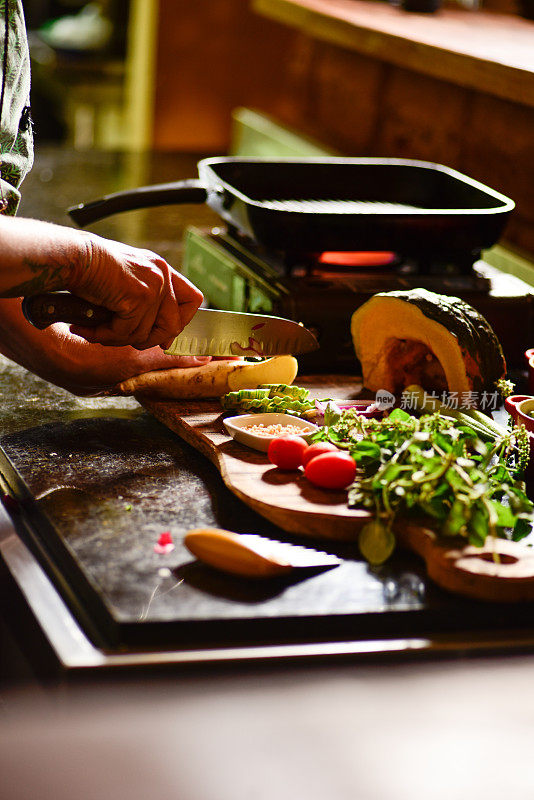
column 465, row 336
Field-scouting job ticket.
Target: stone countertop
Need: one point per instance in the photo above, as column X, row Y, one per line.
column 99, row 479
column 102, row 479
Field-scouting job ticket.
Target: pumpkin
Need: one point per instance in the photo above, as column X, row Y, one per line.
column 420, row 337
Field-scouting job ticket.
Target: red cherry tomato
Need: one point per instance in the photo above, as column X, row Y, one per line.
column 286, row 452
column 331, row 470
column 318, row 449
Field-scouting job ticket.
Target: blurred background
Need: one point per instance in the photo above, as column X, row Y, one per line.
column 78, row 52
column 262, row 77
column 137, row 74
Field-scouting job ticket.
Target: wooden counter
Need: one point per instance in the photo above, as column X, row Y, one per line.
column 485, row 51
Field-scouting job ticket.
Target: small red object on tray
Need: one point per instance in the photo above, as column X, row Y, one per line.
column 164, row 544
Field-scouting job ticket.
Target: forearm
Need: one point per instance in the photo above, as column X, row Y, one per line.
column 150, row 301
column 38, row 256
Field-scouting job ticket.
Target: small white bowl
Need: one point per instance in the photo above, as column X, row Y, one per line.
column 236, row 427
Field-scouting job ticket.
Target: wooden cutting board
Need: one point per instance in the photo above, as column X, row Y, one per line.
column 285, row 498
column 502, row 571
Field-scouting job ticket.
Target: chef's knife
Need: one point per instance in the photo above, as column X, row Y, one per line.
column 210, row 332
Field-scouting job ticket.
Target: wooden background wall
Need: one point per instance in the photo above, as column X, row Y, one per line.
column 212, row 56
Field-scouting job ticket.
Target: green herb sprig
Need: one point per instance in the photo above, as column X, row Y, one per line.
column 438, row 468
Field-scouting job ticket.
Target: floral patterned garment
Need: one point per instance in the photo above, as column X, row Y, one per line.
column 16, row 139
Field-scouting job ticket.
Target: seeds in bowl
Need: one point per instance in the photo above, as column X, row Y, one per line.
column 276, row 430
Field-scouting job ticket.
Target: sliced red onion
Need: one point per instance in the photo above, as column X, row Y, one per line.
column 367, row 408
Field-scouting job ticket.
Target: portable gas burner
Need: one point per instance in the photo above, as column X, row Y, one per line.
column 323, row 290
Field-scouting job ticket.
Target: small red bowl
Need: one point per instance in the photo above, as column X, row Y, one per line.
column 521, row 409
column 529, row 355
column 517, row 406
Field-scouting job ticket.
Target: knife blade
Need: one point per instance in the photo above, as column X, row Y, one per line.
column 234, row 333
column 210, row 332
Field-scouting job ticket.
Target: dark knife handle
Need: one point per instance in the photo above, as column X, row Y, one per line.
column 44, row 309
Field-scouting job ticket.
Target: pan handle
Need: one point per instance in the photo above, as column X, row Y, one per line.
column 162, row 194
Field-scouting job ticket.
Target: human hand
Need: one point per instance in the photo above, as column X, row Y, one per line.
column 95, row 369
column 68, row 361
column 152, row 303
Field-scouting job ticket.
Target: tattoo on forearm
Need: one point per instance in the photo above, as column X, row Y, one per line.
column 47, row 277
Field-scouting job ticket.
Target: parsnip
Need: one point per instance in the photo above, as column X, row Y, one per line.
column 211, row 380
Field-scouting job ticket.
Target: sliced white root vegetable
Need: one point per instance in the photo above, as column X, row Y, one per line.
column 210, row 380
column 279, row 369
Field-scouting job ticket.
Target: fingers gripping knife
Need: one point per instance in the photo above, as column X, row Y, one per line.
column 210, row 332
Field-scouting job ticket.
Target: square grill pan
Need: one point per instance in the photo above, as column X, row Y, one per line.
column 413, row 208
